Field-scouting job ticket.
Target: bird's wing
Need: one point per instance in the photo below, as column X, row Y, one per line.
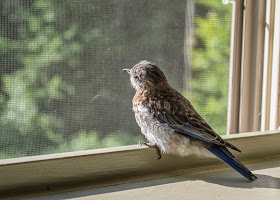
column 224, row 155
column 189, row 122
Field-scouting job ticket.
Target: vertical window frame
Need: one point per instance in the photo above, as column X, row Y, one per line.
column 254, row 67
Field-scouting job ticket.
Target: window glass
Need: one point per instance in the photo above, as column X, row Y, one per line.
column 62, row 87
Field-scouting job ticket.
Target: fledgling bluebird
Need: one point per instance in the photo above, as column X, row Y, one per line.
column 171, row 124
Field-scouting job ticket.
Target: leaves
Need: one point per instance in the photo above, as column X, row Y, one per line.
column 61, row 82
column 210, row 63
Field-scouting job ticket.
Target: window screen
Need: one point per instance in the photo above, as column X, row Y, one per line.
column 62, row 87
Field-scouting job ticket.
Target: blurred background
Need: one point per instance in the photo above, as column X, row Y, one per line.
column 61, row 82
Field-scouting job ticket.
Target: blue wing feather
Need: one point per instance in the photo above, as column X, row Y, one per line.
column 192, row 128
column 223, row 154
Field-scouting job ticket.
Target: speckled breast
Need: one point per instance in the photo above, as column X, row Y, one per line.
column 155, row 131
column 163, row 136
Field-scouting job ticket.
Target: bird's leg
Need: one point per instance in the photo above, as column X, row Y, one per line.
column 152, row 146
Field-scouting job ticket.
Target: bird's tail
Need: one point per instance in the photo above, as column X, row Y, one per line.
column 224, row 154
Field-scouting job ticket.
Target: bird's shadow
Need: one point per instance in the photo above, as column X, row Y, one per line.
column 225, row 177
column 230, row 178
column 263, row 181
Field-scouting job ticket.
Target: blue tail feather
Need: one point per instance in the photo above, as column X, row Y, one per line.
column 224, row 154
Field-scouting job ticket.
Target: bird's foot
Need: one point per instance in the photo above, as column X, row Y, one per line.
column 152, row 146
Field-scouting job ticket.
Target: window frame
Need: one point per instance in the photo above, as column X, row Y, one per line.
column 113, row 165
column 254, row 67
column 53, row 170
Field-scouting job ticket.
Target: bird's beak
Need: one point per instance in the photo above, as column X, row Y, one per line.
column 127, row 70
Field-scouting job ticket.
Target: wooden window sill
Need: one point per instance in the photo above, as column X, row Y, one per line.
column 97, row 170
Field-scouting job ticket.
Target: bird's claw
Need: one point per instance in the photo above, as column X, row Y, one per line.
column 152, row 146
column 159, row 153
column 143, row 143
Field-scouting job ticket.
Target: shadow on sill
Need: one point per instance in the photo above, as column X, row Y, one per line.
column 223, row 180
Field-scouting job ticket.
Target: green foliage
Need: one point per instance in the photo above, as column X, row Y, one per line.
column 210, row 63
column 87, row 140
column 61, row 84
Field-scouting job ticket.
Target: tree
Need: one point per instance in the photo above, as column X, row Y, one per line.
column 210, row 62
column 62, row 87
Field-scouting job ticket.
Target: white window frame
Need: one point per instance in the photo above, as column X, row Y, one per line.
column 101, row 166
column 116, row 165
column 254, row 68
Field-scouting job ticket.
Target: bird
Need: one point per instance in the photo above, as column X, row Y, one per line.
column 171, row 124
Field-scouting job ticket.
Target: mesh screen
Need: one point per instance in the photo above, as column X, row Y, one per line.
column 61, row 82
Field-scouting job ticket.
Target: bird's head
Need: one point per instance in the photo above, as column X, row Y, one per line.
column 146, row 77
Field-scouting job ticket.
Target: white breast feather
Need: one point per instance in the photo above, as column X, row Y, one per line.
column 166, row 138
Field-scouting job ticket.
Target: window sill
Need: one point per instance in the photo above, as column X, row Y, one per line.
column 101, row 167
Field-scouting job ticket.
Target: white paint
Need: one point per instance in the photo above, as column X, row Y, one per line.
column 275, row 69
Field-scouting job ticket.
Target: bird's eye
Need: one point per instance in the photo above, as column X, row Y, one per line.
column 136, row 77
